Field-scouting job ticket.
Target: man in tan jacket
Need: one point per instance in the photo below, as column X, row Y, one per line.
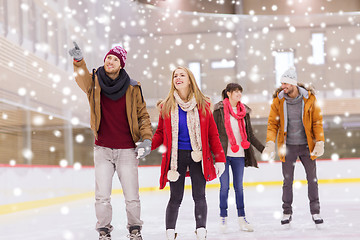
column 119, row 119
column 295, row 119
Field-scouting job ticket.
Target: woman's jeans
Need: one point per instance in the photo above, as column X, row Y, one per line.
column 198, row 184
column 237, row 165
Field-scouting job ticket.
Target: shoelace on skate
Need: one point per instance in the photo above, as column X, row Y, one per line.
column 135, row 236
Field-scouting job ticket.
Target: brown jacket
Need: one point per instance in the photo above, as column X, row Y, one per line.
column 312, row 120
column 250, row 160
column 138, row 117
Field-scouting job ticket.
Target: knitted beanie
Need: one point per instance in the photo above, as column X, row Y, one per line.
column 120, row 53
column 289, row 76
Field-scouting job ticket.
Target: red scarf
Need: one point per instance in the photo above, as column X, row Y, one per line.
column 239, row 116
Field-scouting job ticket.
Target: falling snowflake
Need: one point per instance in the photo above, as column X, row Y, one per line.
column 38, row 120
column 64, row 210
column 22, row 91
column 17, row 192
column 63, row 163
column 335, row 157
column 27, row 154
column 297, row 184
column 77, row 166
column 75, row 121
column 79, row 138
column 57, row 133
column 260, row 188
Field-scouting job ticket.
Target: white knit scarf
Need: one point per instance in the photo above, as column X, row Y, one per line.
column 193, row 124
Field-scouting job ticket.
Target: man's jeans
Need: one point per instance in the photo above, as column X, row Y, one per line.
column 124, row 163
column 292, row 153
column 237, row 165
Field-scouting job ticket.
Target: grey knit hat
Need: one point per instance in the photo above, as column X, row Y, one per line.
column 289, row 76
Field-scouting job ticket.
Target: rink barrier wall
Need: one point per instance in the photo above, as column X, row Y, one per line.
column 23, row 206
column 30, row 187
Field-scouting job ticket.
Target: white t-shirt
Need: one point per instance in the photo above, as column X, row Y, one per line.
column 236, row 131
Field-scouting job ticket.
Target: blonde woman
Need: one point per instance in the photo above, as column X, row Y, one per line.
column 188, row 131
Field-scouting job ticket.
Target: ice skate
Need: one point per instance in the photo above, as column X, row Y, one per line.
column 104, row 235
column 135, row 233
column 317, row 220
column 286, row 219
column 171, row 234
column 201, row 234
column 245, row 225
column 223, row 224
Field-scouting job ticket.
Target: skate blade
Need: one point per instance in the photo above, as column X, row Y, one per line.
column 319, row 226
column 223, row 229
column 246, row 230
column 286, row 226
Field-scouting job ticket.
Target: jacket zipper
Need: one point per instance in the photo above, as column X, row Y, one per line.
column 131, row 116
column 93, row 77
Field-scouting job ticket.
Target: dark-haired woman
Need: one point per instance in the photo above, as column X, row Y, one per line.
column 232, row 118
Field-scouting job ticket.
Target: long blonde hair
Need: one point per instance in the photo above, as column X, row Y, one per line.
column 169, row 103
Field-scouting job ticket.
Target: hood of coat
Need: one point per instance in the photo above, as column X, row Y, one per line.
column 305, row 91
column 220, row 105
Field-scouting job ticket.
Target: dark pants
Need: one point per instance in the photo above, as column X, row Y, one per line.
column 237, row 165
column 198, row 184
column 292, row 153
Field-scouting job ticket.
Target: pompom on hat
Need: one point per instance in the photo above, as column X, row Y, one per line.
column 120, row 53
column 289, row 76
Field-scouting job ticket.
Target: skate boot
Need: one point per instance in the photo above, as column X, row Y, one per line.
column 171, row 234
column 104, row 234
column 245, row 225
column 135, row 233
column 286, row 219
column 317, row 219
column 223, row 224
column 200, row 234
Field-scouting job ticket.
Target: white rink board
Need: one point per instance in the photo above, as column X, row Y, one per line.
column 35, row 183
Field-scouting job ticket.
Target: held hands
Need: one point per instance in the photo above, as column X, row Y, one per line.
column 318, row 149
column 219, row 168
column 268, row 153
column 76, row 52
column 143, row 149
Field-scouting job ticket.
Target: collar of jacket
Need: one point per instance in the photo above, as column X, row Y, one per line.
column 305, row 93
column 133, row 82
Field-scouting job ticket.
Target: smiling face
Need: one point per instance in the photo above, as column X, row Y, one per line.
column 235, row 96
column 112, row 64
column 288, row 88
column 181, row 80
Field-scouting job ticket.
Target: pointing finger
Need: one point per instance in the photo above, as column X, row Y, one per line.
column 76, row 46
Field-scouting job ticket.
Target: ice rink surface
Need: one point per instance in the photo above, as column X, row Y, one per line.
column 340, row 208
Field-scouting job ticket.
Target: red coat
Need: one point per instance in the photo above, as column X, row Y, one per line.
column 209, row 139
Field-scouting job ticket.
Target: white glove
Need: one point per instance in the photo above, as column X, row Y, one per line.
column 318, row 149
column 76, row 52
column 219, row 168
column 143, row 149
column 268, row 154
